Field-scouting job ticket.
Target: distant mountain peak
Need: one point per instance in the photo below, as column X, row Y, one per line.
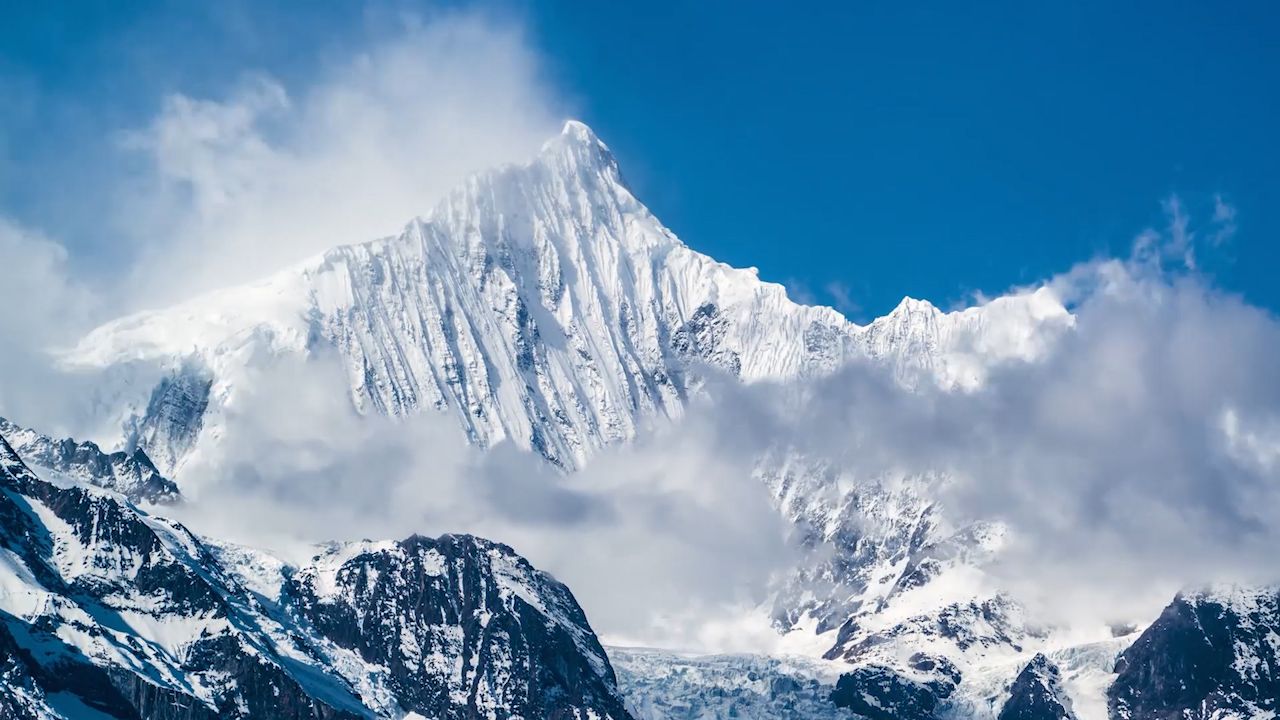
column 131, row 474
column 539, row 302
column 580, row 132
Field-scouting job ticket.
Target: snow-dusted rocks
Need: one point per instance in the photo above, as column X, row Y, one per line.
column 463, row 628
column 1038, row 694
column 130, row 615
column 1211, row 654
column 540, row 303
column 882, row 693
column 108, row 612
column 131, row 474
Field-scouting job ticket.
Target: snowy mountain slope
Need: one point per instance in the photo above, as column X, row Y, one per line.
column 132, row 474
column 541, row 303
column 128, row 615
column 94, row 589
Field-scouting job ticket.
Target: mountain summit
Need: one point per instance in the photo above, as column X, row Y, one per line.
column 540, row 303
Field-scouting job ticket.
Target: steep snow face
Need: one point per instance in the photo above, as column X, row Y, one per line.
column 541, row 303
column 131, row 474
column 108, row 612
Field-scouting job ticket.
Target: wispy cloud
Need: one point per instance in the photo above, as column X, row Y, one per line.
column 842, row 298
column 237, row 186
column 659, row 540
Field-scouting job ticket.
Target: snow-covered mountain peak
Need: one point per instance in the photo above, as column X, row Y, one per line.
column 580, row 131
column 912, row 306
column 580, row 141
column 539, row 302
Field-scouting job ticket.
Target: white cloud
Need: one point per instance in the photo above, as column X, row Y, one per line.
column 658, row 540
column 239, row 186
column 41, row 307
column 1137, row 456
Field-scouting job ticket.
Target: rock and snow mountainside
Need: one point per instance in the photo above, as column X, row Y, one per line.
column 541, row 303
column 544, row 304
column 1038, row 694
column 132, row 474
column 1211, row 654
column 107, row 612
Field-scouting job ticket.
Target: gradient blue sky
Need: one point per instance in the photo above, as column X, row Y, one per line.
column 855, row 151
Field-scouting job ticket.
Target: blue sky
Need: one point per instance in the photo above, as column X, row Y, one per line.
column 856, row 152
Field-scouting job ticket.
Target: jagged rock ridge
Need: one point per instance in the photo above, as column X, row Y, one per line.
column 107, row 608
column 132, row 474
column 1037, row 694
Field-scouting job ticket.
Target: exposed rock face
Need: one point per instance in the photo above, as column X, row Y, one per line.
column 131, row 474
column 1211, row 654
column 465, row 628
column 105, row 607
column 1037, row 694
column 175, row 413
column 881, row 693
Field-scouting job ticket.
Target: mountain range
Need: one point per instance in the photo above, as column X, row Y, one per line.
column 543, row 305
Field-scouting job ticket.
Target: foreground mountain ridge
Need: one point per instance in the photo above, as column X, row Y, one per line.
column 108, row 612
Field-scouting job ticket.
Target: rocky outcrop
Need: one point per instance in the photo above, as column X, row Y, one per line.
column 132, row 474
column 105, row 607
column 883, row 693
column 1211, row 654
column 465, row 628
column 1037, row 694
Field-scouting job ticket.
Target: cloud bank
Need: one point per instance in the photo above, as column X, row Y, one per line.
column 659, row 540
column 1138, row 456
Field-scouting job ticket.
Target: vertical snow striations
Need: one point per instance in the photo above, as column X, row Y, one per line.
column 539, row 303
